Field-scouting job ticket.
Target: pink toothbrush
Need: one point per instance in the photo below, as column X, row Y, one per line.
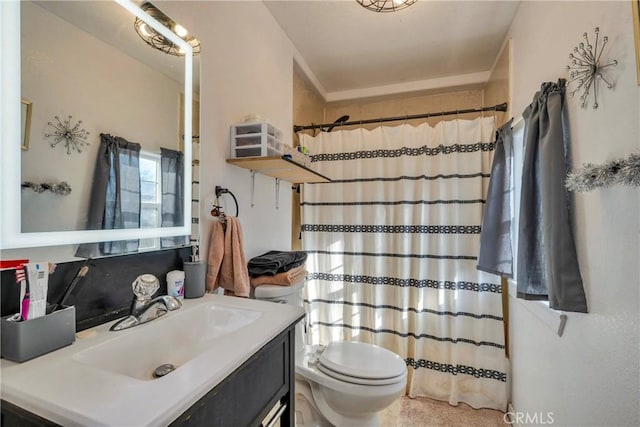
column 21, row 277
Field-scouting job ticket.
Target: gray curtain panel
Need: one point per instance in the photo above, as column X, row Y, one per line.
column 496, row 255
column 115, row 195
column 547, row 260
column 172, row 170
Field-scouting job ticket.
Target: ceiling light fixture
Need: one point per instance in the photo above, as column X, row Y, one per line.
column 157, row 40
column 385, row 5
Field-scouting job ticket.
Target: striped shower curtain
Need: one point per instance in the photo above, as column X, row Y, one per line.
column 393, row 243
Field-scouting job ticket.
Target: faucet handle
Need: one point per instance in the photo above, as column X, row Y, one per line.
column 145, row 286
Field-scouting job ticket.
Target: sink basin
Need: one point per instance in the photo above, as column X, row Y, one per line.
column 175, row 338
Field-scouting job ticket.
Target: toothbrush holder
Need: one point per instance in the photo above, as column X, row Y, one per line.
column 27, row 339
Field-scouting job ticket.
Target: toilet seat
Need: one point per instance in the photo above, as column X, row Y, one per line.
column 356, row 380
column 361, row 363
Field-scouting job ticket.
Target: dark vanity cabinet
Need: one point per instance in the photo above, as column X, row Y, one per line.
column 15, row 416
column 247, row 396
column 244, row 398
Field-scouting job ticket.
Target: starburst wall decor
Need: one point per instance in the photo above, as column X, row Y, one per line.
column 586, row 69
column 74, row 136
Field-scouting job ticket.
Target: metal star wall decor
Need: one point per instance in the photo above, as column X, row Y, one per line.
column 586, row 69
column 74, row 137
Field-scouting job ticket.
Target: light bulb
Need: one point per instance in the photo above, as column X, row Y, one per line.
column 144, row 29
column 180, row 30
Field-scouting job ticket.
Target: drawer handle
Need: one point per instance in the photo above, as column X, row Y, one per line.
column 277, row 415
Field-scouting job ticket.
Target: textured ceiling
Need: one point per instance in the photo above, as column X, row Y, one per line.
column 348, row 47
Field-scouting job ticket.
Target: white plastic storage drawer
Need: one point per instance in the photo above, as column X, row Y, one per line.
column 255, row 140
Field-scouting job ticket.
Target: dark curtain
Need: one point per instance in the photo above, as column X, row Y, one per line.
column 115, row 195
column 172, row 169
column 547, row 260
column 496, row 255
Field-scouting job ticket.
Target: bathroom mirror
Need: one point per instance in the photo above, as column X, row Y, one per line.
column 117, row 85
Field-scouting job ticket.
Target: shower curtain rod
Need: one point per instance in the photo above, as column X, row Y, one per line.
column 498, row 107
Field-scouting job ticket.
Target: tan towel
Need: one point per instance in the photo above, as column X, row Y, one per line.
column 216, row 252
column 287, row 278
column 227, row 263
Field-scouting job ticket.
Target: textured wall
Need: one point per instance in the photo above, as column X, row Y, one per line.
column 590, row 376
column 246, row 67
column 308, row 107
column 496, row 91
column 406, row 104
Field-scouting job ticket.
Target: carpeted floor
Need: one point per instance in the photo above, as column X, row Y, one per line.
column 424, row 412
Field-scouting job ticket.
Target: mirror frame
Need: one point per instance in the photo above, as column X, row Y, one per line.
column 11, row 235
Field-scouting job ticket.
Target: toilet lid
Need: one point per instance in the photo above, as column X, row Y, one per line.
column 361, row 361
column 356, row 380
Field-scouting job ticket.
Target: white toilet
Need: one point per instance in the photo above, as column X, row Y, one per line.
column 343, row 384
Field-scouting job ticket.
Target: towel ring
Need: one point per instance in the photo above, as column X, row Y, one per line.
column 217, row 209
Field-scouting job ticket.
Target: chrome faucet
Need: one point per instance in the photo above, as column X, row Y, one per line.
column 143, row 308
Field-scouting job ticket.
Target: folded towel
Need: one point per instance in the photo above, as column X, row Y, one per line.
column 226, row 266
column 273, row 262
column 286, row 278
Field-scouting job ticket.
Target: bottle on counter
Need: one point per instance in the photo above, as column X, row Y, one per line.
column 175, row 284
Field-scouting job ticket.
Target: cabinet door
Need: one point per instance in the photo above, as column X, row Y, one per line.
column 245, row 397
column 14, row 416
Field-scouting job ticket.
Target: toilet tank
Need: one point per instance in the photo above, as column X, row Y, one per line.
column 285, row 295
column 280, row 294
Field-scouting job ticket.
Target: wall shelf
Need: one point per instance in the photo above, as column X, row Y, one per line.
column 280, row 167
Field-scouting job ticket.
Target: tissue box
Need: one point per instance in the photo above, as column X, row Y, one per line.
column 25, row 340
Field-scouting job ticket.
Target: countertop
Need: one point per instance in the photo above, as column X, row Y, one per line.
column 61, row 389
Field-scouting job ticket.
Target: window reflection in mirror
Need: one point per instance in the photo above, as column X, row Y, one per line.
column 150, row 195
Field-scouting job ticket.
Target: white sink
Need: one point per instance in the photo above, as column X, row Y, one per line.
column 100, row 379
column 176, row 338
